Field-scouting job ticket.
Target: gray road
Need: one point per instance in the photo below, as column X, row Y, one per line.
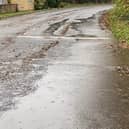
column 61, row 70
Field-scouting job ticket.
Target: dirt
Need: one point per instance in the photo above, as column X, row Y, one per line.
column 104, row 21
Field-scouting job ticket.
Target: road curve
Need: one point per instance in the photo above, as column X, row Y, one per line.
column 61, row 70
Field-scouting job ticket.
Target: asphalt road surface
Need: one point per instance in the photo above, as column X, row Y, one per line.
column 61, row 69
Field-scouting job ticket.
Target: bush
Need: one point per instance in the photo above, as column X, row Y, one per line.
column 52, row 3
column 39, row 4
column 65, row 4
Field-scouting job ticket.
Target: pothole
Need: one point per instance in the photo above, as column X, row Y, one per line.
column 54, row 27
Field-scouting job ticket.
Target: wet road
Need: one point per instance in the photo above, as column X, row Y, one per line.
column 61, row 70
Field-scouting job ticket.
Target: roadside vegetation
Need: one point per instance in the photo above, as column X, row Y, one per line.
column 118, row 19
column 41, row 4
column 6, row 15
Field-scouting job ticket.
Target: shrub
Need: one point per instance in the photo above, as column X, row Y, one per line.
column 39, row 4
column 52, row 3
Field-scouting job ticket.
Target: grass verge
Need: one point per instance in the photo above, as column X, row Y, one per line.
column 118, row 26
column 7, row 15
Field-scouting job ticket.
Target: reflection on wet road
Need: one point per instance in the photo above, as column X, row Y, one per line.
column 79, row 78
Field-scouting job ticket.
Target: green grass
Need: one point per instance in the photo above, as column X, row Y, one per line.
column 6, row 15
column 119, row 27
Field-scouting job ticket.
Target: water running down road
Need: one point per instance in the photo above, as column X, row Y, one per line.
column 60, row 70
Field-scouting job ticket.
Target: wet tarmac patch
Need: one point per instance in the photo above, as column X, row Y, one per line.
column 17, row 76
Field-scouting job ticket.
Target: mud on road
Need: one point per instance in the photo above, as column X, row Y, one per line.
column 62, row 60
